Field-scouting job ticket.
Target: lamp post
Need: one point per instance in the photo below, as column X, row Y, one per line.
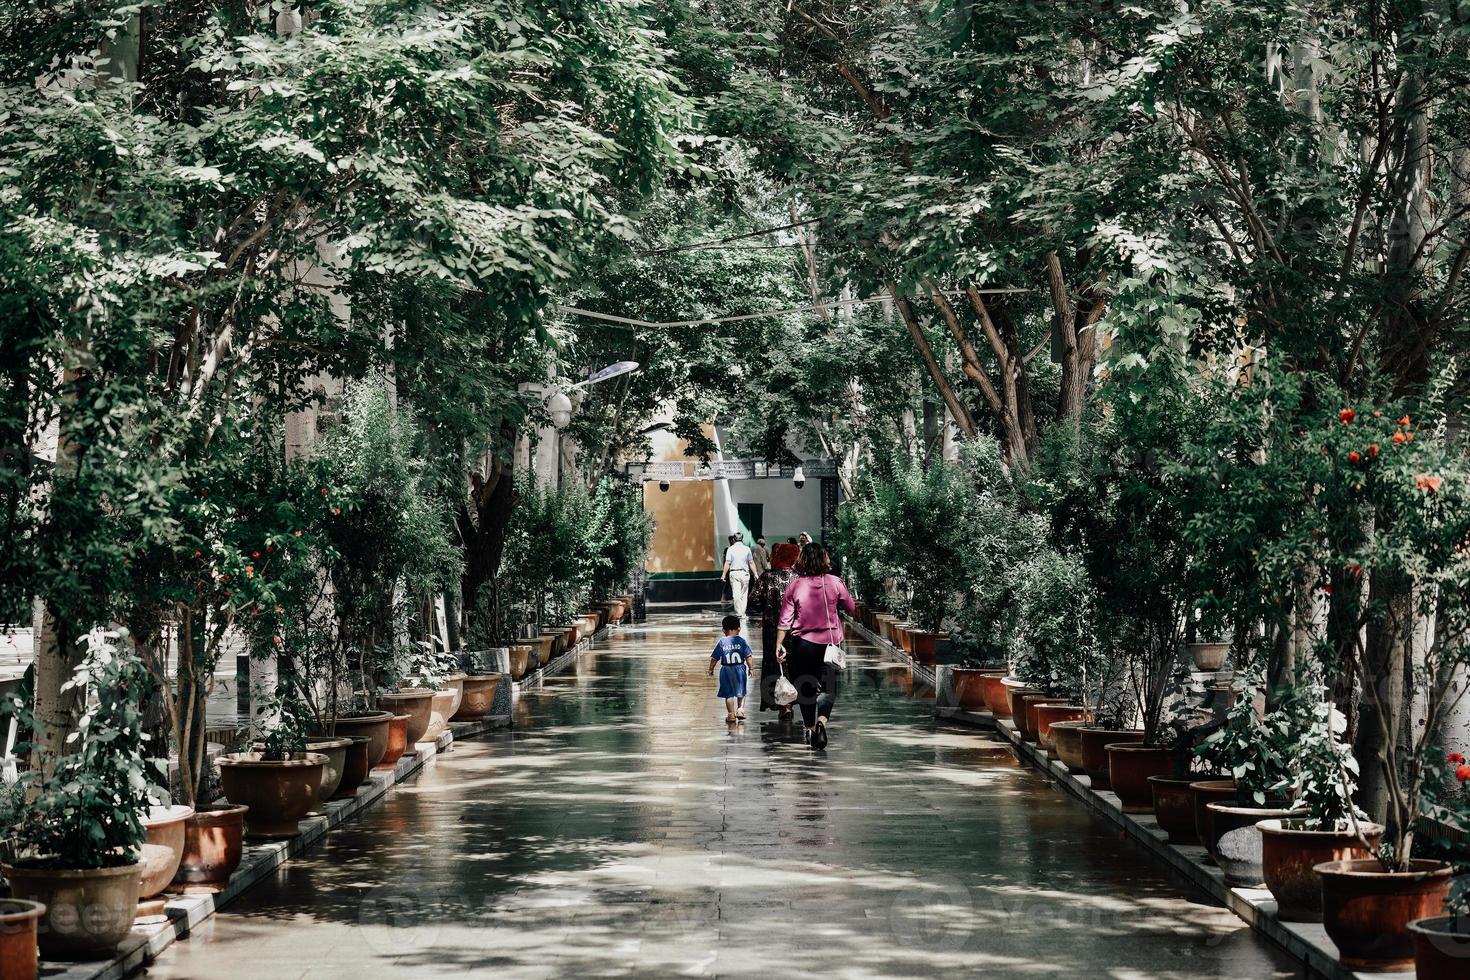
column 560, row 405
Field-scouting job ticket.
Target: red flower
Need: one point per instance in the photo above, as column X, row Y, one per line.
column 1454, row 758
column 254, row 554
column 1462, row 773
column 197, row 553
column 269, row 548
column 1372, row 450
column 1347, row 415
column 1378, row 415
column 1327, row 590
column 1405, row 421
column 336, row 510
column 324, row 491
column 1354, row 456
column 296, row 533
column 1426, row 482
column 1399, row 438
column 277, row 640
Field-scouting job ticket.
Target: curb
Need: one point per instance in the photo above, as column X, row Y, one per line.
column 186, row 912
column 921, row 672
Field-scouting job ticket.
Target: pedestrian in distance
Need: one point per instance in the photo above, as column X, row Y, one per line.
column 732, row 655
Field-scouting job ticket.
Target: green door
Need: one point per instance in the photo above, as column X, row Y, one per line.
column 752, row 521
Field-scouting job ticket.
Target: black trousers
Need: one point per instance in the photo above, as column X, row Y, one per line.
column 815, row 679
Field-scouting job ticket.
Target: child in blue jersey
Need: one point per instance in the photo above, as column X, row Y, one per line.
column 732, row 654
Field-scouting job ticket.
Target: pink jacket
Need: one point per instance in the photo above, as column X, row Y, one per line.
column 809, row 608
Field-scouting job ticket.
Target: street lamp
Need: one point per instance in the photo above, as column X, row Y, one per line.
column 559, row 403
column 560, row 407
column 798, row 477
column 611, row 371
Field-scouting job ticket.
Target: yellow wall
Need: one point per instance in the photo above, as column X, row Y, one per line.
column 683, row 536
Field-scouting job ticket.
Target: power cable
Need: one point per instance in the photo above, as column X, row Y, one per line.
column 692, row 246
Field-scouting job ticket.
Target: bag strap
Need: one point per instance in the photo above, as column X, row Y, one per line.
column 836, row 619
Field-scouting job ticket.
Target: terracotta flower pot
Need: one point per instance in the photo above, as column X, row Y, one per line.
column 1066, row 739
column 441, row 709
column 618, row 610
column 1025, row 717
column 1205, row 792
column 885, row 622
column 1095, row 742
column 417, row 703
column 548, row 651
column 520, row 661
column 397, row 742
column 969, row 687
column 455, row 683
column 212, row 848
column 1366, row 910
column 1236, row 845
column 87, row 912
column 905, row 638
column 165, row 828
column 993, row 690
column 1441, row 948
column 1048, row 713
column 335, row 751
column 158, row 864
column 573, row 634
column 1289, row 852
column 1174, row 808
column 1208, row 657
column 479, row 696
column 278, row 792
column 18, row 956
column 925, row 646
column 1129, row 766
column 372, row 725
column 355, row 767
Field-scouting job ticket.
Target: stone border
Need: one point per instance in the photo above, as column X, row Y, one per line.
column 922, row 672
column 1307, row 942
column 186, row 912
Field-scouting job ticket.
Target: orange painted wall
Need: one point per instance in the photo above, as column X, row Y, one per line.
column 683, row 529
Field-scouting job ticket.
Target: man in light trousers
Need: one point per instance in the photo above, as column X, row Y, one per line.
column 738, row 559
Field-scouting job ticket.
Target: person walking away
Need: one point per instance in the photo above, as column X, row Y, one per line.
column 761, row 557
column 767, row 594
column 810, row 620
column 732, row 655
column 737, row 572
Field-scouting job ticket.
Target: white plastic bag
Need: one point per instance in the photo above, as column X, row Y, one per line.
column 785, row 692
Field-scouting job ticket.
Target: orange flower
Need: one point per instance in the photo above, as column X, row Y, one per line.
column 1405, row 421
column 1354, row 456
column 1372, row 450
column 1399, row 438
column 1426, row 482
column 250, row 571
column 277, row 640
column 1462, row 773
column 1347, row 415
column 296, row 533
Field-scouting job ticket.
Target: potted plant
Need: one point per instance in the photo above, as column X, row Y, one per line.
column 280, row 782
column 81, row 838
column 1442, row 942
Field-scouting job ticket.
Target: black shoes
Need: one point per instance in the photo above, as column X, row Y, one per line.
column 819, row 737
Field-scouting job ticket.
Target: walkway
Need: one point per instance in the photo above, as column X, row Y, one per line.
column 622, row 830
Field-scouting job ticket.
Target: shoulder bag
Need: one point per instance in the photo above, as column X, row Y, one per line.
column 835, row 655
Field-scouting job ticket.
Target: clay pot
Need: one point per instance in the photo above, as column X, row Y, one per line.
column 1236, row 844
column 455, row 683
column 968, row 693
column 417, row 703
column 212, row 848
column 1066, row 739
column 355, row 767
column 1289, row 852
column 1366, row 910
column 1174, row 808
column 1129, row 766
column 1025, row 719
column 397, row 742
column 158, row 864
column 617, row 611
column 1441, row 948
column 335, row 751
column 573, row 634
column 1015, row 691
column 479, row 696
column 87, row 912
column 1095, row 742
column 925, row 646
column 520, row 662
column 1209, row 657
column 1048, row 713
column 885, row 623
column 905, row 638
column 165, row 828
column 551, row 646
column 441, row 709
column 993, row 690
column 278, row 792
column 18, row 956
column 1205, row 792
column 373, row 725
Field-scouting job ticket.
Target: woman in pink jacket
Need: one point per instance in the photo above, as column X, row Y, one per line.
column 810, row 620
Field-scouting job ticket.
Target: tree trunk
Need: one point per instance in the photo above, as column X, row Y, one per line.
column 1381, row 703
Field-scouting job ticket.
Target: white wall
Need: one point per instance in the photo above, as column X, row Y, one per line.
column 786, row 509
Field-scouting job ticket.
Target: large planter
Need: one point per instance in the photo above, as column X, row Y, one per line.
column 18, row 919
column 417, row 703
column 1289, row 852
column 1048, row 713
column 479, row 696
column 1208, row 657
column 905, row 636
column 520, row 661
column 925, row 646
column 397, row 742
column 165, row 828
column 212, row 848
column 1174, row 808
column 335, row 751
column 884, row 622
column 1366, row 910
column 993, row 690
column 1066, row 739
column 279, row 792
column 87, row 912
column 1205, row 792
column 1095, row 742
column 441, row 709
column 969, row 691
column 1236, row 841
column 573, row 634
column 356, row 768
column 1129, row 766
column 1023, row 716
column 1441, row 948
column 455, row 683
column 372, row 725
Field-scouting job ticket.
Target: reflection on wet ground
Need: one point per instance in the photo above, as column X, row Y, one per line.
column 622, row 829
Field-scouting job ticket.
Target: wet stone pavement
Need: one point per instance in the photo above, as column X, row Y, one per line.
column 621, row 829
